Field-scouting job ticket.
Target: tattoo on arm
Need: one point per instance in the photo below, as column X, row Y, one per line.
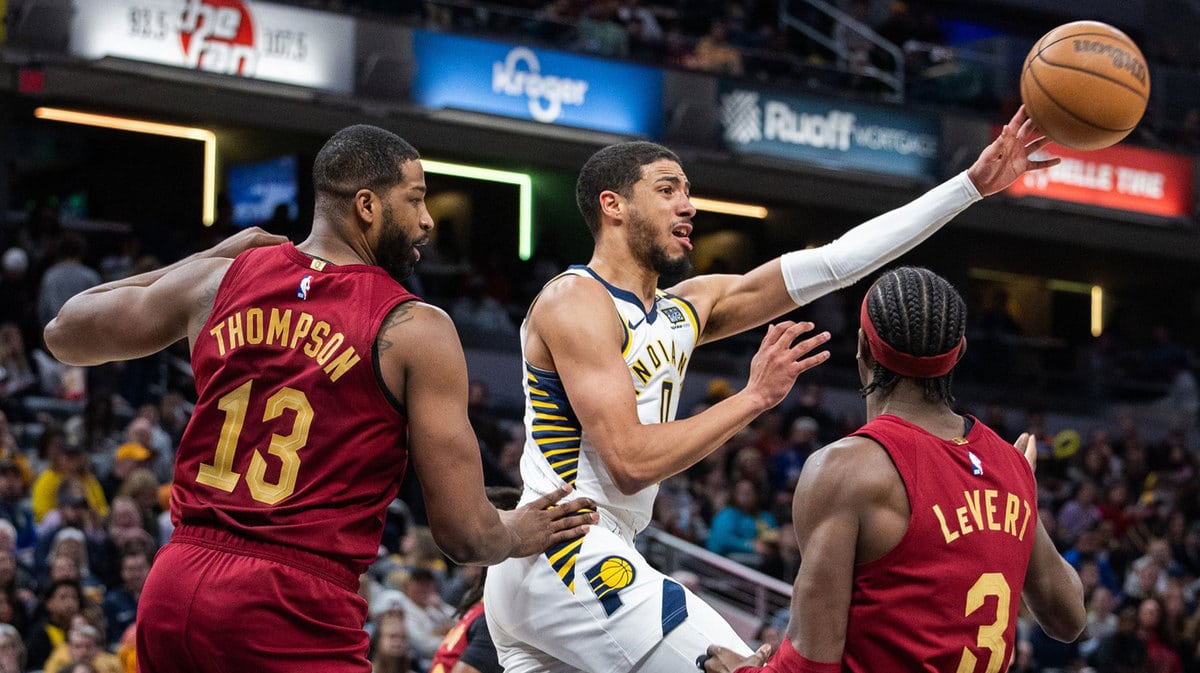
column 398, row 316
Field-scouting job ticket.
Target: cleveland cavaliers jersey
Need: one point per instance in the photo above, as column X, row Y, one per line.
column 657, row 348
column 293, row 439
column 946, row 598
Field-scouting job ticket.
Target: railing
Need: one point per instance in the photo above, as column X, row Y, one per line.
column 892, row 78
column 757, row 597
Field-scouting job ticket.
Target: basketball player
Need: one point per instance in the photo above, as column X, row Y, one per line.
column 318, row 375
column 919, row 533
column 605, row 354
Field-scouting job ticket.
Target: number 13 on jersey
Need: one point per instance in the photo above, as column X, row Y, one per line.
column 219, row 473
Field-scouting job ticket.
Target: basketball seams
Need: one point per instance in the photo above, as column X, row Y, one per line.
column 1046, row 92
column 1093, row 73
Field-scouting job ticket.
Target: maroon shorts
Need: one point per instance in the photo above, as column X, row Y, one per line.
column 216, row 603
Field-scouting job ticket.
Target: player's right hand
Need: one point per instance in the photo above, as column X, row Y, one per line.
column 724, row 660
column 545, row 522
column 1027, row 445
column 782, row 357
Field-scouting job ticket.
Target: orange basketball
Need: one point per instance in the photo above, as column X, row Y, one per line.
column 1085, row 84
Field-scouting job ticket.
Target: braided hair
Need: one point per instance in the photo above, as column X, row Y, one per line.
column 917, row 312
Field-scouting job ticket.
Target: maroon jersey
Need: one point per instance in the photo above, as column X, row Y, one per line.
column 946, row 598
column 293, row 440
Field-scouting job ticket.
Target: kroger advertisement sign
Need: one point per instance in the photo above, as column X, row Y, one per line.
column 542, row 85
column 835, row 134
column 231, row 37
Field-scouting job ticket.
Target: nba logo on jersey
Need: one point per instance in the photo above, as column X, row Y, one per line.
column 305, row 283
column 976, row 464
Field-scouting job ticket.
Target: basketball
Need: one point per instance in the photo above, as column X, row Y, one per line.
column 616, row 572
column 1085, row 84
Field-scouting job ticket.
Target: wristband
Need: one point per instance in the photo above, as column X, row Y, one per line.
column 788, row 660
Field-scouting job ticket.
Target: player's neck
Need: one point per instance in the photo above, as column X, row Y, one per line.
column 325, row 244
column 907, row 401
column 626, row 274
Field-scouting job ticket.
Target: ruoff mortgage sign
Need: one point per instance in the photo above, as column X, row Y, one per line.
column 836, row 134
column 255, row 40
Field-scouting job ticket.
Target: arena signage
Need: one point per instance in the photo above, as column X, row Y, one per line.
column 1121, row 178
column 538, row 84
column 835, row 134
column 243, row 38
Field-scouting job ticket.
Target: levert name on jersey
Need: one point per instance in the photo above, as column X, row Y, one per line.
column 982, row 511
column 316, row 338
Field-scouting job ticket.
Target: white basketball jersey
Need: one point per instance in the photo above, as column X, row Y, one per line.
column 657, row 349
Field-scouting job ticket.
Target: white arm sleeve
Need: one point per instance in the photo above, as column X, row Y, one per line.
column 811, row 273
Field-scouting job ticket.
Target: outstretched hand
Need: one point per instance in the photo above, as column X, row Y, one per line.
column 544, row 522
column 250, row 237
column 724, row 660
column 781, row 358
column 1008, row 157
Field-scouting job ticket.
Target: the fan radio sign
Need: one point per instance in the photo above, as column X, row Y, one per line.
column 229, row 37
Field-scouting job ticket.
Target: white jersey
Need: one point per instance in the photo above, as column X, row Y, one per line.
column 657, row 349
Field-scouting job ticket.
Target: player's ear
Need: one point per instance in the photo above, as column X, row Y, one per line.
column 366, row 205
column 612, row 204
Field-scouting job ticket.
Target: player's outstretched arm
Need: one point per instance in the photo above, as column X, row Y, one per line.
column 1053, row 590
column 575, row 322
column 731, row 304
column 143, row 314
column 422, row 363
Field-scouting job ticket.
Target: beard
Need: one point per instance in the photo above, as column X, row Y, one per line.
column 396, row 254
column 654, row 256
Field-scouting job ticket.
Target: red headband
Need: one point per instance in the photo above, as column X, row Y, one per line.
column 904, row 364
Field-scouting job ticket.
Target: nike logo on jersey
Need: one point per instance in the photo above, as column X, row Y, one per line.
column 635, row 325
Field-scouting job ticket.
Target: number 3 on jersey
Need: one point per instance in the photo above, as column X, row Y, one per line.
column 220, row 474
column 991, row 636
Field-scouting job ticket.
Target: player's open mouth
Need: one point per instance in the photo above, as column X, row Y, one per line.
column 681, row 232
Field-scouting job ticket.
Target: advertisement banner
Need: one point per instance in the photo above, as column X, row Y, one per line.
column 538, row 84
column 1121, row 178
column 836, row 134
column 251, row 39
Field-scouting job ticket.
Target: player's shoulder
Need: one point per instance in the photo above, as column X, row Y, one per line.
column 854, row 466
column 414, row 315
column 569, row 294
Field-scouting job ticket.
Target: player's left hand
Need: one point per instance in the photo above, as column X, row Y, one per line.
column 1027, row 445
column 724, row 660
column 545, row 522
column 250, row 237
column 1002, row 162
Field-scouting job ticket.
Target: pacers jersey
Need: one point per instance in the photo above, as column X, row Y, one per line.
column 946, row 598
column 293, row 440
column 657, row 348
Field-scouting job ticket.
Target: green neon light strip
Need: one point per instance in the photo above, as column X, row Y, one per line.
column 523, row 181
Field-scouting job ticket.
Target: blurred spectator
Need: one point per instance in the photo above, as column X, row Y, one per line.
column 68, row 559
column 62, row 601
column 14, row 506
column 1079, row 514
column 786, row 465
column 130, row 456
column 142, row 486
column 12, row 650
column 635, row 10
column 481, row 319
column 69, row 462
column 66, row 277
column 599, row 33
column 120, row 603
column 72, row 511
column 391, row 647
column 713, row 53
column 1101, row 620
column 84, row 645
column 1161, row 656
column 18, row 377
column 744, row 531
column 1123, row 651
column 428, row 617
column 17, row 291
column 119, row 263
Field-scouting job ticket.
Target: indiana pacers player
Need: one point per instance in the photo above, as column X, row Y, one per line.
column 605, row 355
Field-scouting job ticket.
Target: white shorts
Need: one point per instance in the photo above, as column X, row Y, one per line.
column 622, row 616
